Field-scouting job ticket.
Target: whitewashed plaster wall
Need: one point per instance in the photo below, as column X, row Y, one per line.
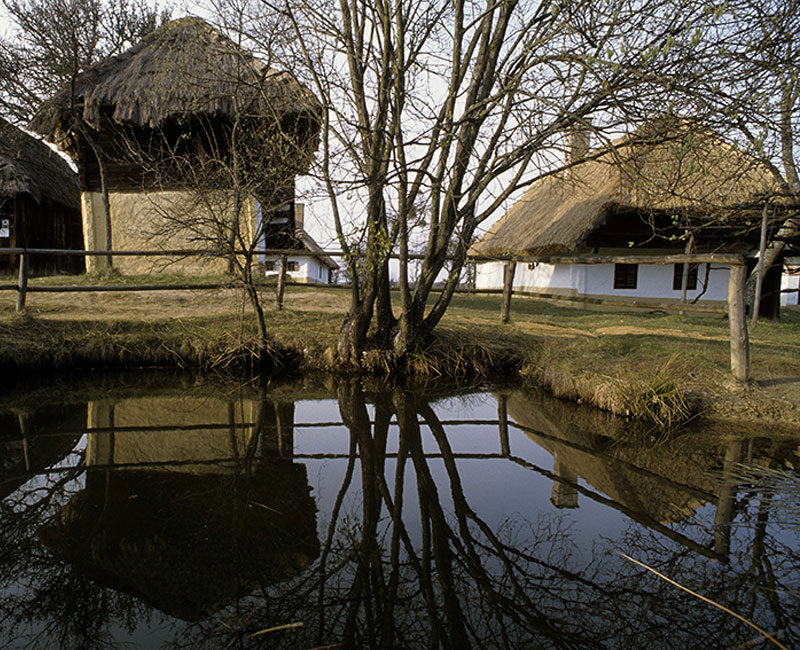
column 653, row 281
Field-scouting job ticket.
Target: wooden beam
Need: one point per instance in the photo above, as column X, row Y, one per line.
column 740, row 344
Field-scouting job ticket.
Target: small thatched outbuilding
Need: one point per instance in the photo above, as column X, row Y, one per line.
column 644, row 195
column 186, row 123
column 39, row 203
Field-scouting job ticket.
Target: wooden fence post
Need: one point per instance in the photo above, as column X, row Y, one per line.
column 281, row 283
column 22, row 282
column 508, row 287
column 740, row 344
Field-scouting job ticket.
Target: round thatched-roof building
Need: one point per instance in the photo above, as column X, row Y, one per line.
column 39, row 202
column 167, row 117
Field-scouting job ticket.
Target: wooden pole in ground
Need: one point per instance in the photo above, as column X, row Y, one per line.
column 740, row 344
column 762, row 250
column 22, row 282
column 685, row 274
column 508, row 288
column 281, row 283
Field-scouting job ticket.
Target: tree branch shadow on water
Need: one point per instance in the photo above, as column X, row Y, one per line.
column 407, row 560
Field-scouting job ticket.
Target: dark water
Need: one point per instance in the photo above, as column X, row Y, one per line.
column 174, row 512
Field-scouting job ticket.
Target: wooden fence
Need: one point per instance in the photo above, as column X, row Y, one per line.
column 739, row 340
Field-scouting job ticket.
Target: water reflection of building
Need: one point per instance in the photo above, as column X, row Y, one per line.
column 656, row 481
column 189, row 502
column 655, row 484
column 26, row 443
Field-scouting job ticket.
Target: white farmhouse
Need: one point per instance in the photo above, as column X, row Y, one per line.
column 310, row 264
column 790, row 282
column 646, row 195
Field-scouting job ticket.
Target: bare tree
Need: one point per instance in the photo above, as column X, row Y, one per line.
column 439, row 111
column 743, row 80
column 55, row 40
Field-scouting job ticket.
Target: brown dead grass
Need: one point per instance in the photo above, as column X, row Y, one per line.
column 587, row 356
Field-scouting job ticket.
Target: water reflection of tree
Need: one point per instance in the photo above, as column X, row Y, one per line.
column 406, row 561
column 417, row 567
column 64, row 609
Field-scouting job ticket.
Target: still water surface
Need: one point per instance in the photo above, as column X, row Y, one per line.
column 146, row 511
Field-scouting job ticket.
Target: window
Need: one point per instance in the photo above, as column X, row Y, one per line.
column 677, row 277
column 625, row 276
column 269, row 266
column 292, row 266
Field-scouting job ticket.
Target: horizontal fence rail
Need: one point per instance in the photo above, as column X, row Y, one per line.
column 735, row 302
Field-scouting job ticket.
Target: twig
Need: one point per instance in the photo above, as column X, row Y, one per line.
column 277, row 628
column 764, row 633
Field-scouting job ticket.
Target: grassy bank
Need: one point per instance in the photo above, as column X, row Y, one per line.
column 660, row 367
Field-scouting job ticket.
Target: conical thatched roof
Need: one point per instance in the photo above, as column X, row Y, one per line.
column 29, row 166
column 670, row 166
column 185, row 67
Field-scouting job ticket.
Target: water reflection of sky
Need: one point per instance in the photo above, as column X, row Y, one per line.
column 513, row 497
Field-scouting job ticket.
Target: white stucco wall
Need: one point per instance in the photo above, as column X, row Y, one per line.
column 653, row 280
column 309, row 269
column 791, row 280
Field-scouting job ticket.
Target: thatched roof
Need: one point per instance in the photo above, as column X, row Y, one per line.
column 185, row 67
column 668, row 167
column 29, row 166
column 310, row 244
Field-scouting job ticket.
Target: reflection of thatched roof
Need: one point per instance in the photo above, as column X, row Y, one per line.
column 189, row 545
column 662, row 168
column 661, row 483
column 28, row 166
column 186, row 67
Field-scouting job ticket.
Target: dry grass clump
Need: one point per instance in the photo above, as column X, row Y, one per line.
column 454, row 353
column 652, row 394
column 657, row 396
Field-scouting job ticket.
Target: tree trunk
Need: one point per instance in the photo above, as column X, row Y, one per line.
column 255, row 301
column 386, row 321
column 759, row 270
column 740, row 345
column 281, row 283
column 406, row 333
column 353, row 335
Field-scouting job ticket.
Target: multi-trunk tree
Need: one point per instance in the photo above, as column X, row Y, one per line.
column 438, row 112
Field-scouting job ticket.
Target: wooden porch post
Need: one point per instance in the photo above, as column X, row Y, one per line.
column 22, row 282
column 740, row 344
column 508, row 287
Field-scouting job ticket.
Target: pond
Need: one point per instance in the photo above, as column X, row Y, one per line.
column 175, row 511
